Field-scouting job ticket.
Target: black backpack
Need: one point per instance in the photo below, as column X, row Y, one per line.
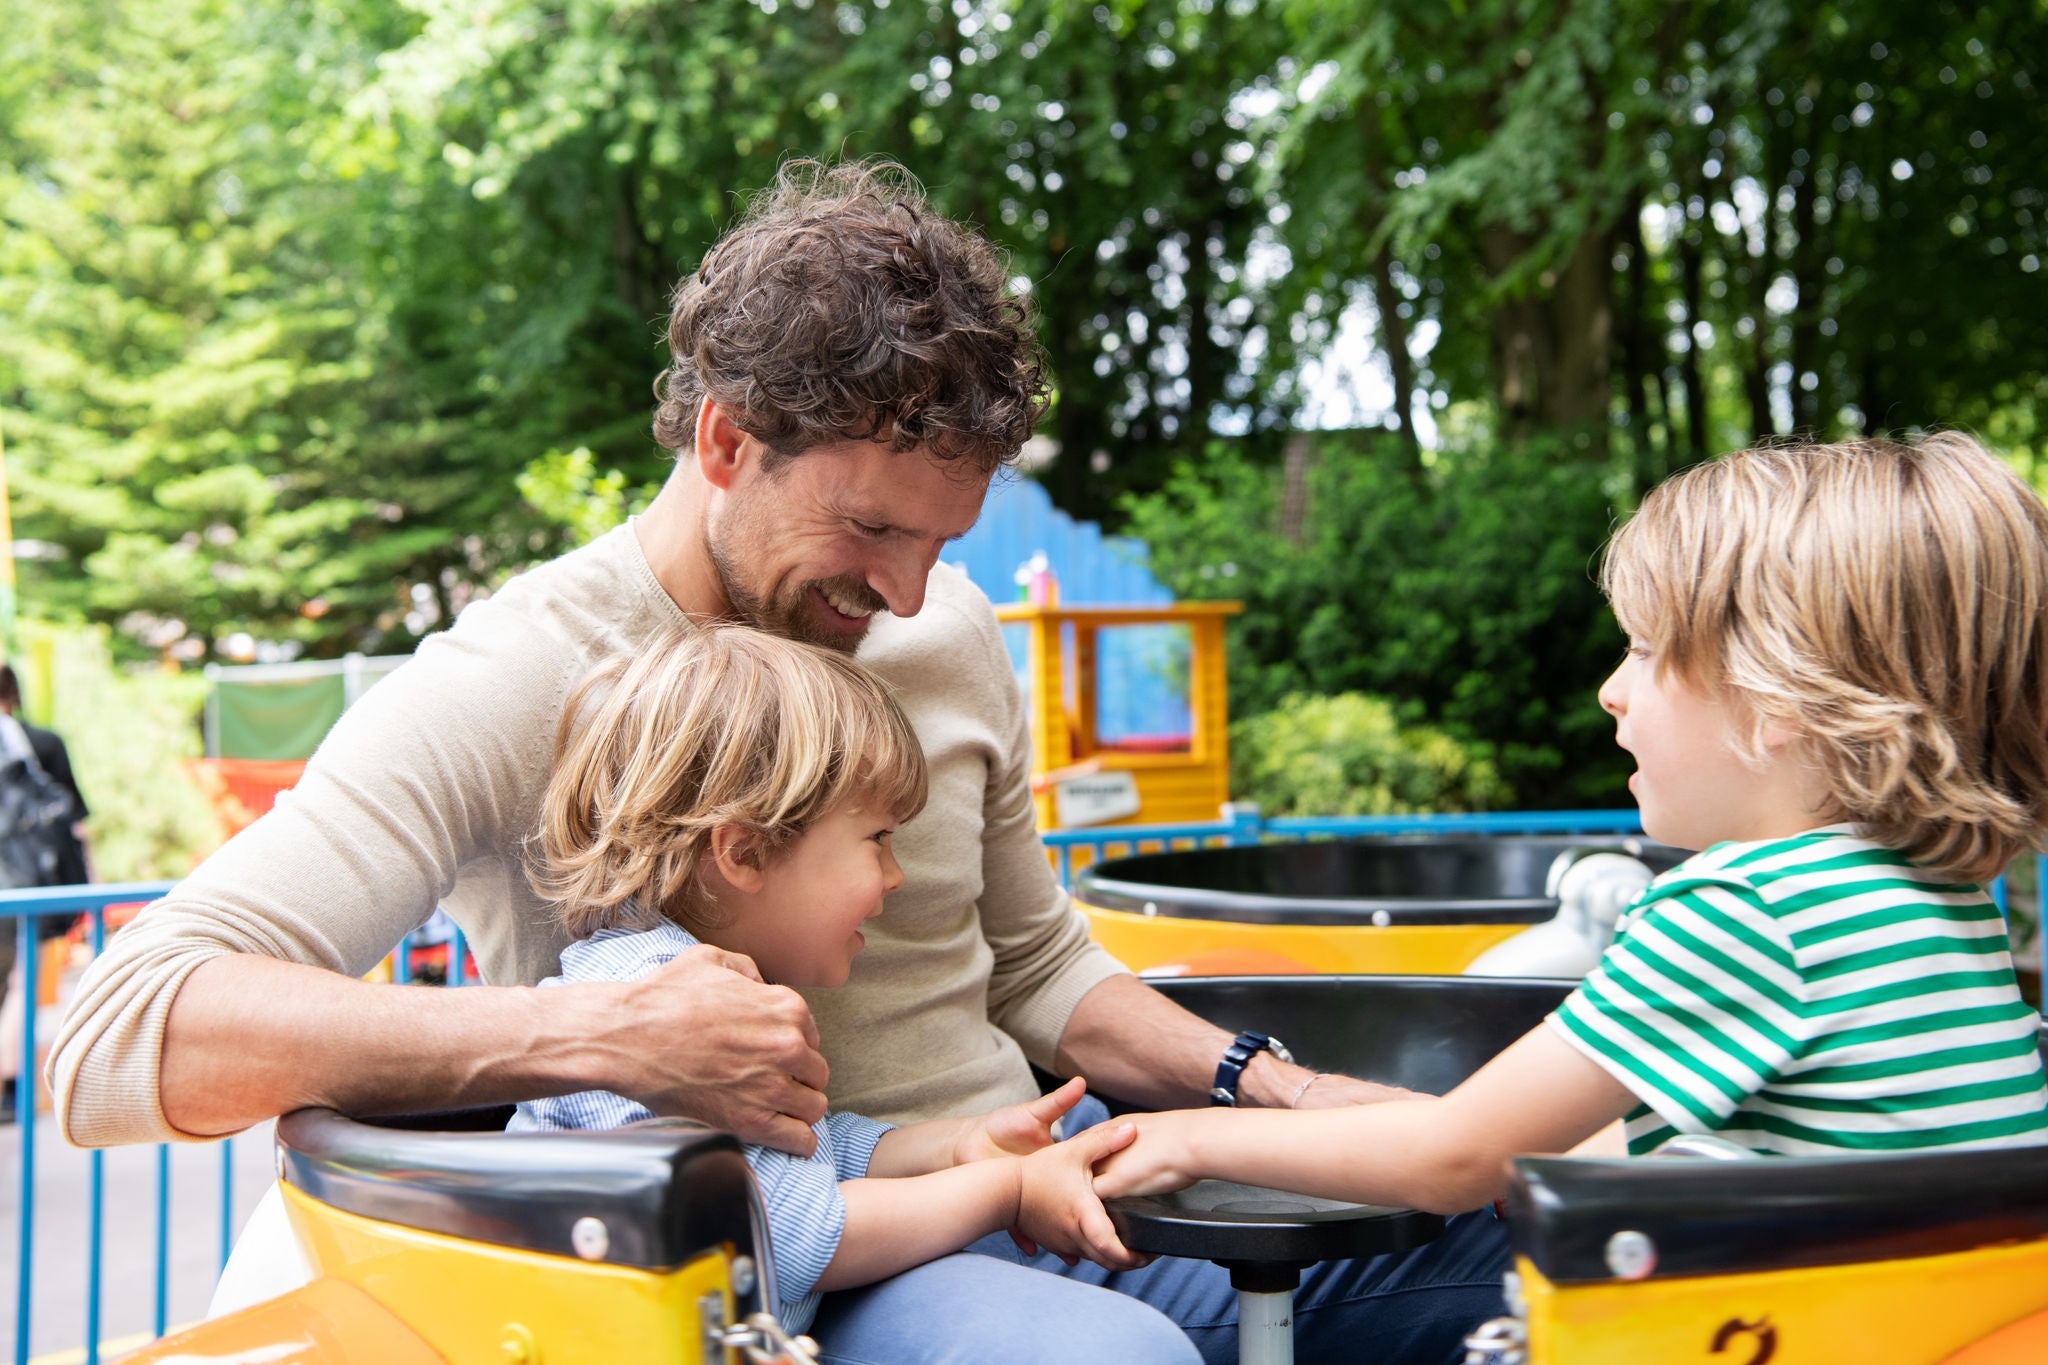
column 34, row 813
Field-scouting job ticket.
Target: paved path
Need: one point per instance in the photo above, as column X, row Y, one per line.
column 57, row 1329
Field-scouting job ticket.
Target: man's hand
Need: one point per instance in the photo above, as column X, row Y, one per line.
column 1159, row 1157
column 1058, row 1209
column 704, row 1038
column 1017, row 1129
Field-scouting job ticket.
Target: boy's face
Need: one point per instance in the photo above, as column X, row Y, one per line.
column 801, row 922
column 1692, row 782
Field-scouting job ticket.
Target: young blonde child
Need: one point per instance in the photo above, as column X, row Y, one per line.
column 734, row 788
column 1836, row 686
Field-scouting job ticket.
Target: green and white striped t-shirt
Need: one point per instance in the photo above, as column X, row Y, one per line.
column 1813, row 995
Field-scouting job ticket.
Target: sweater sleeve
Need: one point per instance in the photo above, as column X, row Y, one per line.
column 1044, row 960
column 405, row 788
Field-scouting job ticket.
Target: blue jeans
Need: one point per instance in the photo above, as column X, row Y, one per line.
column 994, row 1303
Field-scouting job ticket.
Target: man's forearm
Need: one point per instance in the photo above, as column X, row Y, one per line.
column 1132, row 1042
column 248, row 1038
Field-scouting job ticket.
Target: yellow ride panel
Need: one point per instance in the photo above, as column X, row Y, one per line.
column 478, row 1304
column 1141, row 941
column 1918, row 1311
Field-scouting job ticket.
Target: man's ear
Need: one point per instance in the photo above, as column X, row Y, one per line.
column 722, row 448
column 736, row 853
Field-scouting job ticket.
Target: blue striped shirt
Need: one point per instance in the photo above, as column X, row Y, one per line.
column 806, row 1214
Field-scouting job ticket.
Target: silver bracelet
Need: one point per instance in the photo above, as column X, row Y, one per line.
column 1295, row 1103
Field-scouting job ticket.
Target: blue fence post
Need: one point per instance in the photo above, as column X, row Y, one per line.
column 25, row 1119
column 1246, row 824
column 95, row 1246
column 227, row 1200
column 161, row 1317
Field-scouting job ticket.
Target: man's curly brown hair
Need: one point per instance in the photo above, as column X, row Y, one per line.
column 840, row 307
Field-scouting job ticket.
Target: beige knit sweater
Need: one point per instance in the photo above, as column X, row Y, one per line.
column 425, row 790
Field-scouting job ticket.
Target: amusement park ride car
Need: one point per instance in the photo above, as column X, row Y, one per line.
column 439, row 1239
column 644, row 1244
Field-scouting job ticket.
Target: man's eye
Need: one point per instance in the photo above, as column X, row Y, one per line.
column 871, row 532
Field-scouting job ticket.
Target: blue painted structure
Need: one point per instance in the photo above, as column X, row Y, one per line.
column 1141, row 671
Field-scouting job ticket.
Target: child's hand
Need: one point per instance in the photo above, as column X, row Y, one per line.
column 1017, row 1129
column 1057, row 1208
column 1158, row 1159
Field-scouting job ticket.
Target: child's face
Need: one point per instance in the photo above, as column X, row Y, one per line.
column 801, row 925
column 1692, row 783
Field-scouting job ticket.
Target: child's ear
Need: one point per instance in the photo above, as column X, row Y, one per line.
column 736, row 853
column 1776, row 737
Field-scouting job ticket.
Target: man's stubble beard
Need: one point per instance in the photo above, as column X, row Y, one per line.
column 789, row 615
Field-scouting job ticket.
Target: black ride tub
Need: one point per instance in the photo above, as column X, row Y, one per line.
column 1398, row 906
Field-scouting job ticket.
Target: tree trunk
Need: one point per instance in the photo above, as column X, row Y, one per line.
column 1689, row 368
column 1400, row 364
column 1640, row 359
column 1551, row 351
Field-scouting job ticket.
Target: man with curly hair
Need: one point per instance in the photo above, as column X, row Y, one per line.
column 848, row 371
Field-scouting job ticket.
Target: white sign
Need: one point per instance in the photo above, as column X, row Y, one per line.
column 1095, row 799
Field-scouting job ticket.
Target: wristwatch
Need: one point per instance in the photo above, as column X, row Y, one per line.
column 1236, row 1058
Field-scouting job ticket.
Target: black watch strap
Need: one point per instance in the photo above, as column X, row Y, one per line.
column 1236, row 1058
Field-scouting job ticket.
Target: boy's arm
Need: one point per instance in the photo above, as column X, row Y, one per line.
column 892, row 1225
column 1013, row 1130
column 1443, row 1155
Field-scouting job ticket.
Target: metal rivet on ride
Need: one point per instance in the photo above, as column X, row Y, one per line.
column 743, row 1275
column 1381, row 919
column 517, row 1346
column 591, row 1238
column 1151, row 909
column 1631, row 1255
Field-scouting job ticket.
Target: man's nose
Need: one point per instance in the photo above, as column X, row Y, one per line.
column 901, row 581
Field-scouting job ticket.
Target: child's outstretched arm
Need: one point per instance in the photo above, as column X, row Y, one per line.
column 1444, row 1155
column 1013, row 1130
column 894, row 1224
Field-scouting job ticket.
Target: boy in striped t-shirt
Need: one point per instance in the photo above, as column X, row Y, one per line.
column 1837, row 687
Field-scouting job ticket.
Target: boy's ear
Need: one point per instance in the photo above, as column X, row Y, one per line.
column 1775, row 737
column 736, row 853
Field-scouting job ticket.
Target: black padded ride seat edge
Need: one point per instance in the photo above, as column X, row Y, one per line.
column 666, row 1191
column 1709, row 1217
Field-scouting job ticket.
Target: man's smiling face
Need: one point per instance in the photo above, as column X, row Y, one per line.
column 813, row 548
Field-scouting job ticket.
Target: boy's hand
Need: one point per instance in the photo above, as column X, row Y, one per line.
column 1057, row 1208
column 1158, row 1158
column 1017, row 1129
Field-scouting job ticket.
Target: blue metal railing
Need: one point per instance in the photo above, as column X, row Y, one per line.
column 28, row 908
column 1241, row 825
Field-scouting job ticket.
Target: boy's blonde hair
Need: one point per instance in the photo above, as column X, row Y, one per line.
column 1883, row 600
column 721, row 725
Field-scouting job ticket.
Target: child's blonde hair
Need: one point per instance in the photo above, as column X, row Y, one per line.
column 1883, row 600
column 721, row 725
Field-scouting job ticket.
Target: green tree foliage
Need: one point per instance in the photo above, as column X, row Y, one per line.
column 1465, row 592
column 292, row 294
column 1703, row 224
column 1349, row 755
